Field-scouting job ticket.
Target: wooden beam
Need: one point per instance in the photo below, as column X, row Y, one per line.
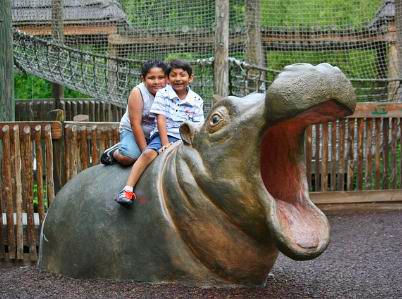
column 393, row 71
column 91, row 124
column 336, row 209
column 70, row 29
column 377, row 110
column 6, row 62
column 343, row 197
column 58, row 34
column 253, row 46
column 221, row 62
column 270, row 39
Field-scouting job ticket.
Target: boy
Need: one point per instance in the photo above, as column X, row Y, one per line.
column 173, row 105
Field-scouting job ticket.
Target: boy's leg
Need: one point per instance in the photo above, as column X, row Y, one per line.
column 127, row 196
column 140, row 165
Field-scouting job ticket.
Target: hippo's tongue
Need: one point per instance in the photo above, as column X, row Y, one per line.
column 300, row 229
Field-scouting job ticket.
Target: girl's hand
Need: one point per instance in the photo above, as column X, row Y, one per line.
column 163, row 148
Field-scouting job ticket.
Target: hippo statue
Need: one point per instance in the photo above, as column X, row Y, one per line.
column 215, row 208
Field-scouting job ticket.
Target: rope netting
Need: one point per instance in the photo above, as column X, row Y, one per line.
column 114, row 37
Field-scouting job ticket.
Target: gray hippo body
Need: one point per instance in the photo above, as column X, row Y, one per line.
column 213, row 209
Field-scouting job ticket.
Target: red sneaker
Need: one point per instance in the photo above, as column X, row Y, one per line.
column 125, row 198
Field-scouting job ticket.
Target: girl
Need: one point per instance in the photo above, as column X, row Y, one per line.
column 137, row 123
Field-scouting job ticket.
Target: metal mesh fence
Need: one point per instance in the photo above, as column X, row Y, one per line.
column 361, row 37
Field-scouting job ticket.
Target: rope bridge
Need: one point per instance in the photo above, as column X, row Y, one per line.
column 98, row 76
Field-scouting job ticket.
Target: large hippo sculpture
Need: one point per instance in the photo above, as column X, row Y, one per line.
column 214, row 209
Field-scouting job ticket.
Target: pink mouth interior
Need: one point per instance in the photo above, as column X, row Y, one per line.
column 301, row 229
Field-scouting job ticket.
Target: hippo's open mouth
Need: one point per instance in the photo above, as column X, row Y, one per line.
column 301, row 230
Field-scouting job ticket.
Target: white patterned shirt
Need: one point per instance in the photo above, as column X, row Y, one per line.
column 177, row 111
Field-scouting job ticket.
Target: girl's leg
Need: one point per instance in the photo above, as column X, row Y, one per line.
column 128, row 150
column 123, row 160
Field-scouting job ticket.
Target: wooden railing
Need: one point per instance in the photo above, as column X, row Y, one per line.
column 97, row 111
column 361, row 152
column 26, row 186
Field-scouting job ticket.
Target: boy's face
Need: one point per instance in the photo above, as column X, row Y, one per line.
column 179, row 79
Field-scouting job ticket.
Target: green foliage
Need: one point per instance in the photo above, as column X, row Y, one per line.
column 182, row 56
column 349, row 62
column 313, row 13
column 169, row 14
column 31, row 87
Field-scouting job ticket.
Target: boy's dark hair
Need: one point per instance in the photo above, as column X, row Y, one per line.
column 151, row 64
column 180, row 64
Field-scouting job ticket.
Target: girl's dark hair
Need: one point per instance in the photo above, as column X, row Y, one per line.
column 180, row 64
column 151, row 64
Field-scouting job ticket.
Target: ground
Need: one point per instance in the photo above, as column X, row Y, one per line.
column 363, row 260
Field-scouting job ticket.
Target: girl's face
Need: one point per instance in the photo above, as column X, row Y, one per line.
column 154, row 80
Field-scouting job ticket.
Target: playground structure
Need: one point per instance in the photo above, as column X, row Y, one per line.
column 101, row 58
column 97, row 47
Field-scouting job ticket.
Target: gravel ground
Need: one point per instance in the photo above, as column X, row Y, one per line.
column 364, row 260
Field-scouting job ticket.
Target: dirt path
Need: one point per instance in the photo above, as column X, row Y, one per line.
column 364, row 260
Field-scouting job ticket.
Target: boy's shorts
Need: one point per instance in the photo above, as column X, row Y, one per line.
column 155, row 143
column 128, row 146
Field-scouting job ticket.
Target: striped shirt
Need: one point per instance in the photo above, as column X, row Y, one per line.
column 177, row 111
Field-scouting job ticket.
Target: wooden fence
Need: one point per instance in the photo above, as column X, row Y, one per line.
column 359, row 153
column 27, row 189
column 37, row 158
column 38, row 109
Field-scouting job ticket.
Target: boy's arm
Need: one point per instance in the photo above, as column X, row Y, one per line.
column 161, row 123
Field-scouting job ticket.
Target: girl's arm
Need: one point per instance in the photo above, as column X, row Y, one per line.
column 135, row 110
column 161, row 123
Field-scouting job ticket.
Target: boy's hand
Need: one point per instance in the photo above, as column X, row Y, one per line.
column 163, row 148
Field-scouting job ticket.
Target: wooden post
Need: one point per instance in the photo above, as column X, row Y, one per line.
column 58, row 34
column 112, row 70
column 6, row 62
column 18, row 193
column 221, row 64
column 28, row 191
column 254, row 52
column 50, row 186
column 58, row 151
column 8, row 191
column 395, row 53
column 393, row 71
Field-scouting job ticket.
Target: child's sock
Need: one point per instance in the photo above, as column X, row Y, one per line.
column 129, row 188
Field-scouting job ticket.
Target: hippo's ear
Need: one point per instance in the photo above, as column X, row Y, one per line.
column 187, row 133
column 217, row 98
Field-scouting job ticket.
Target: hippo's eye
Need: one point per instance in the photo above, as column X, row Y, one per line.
column 215, row 119
column 218, row 119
